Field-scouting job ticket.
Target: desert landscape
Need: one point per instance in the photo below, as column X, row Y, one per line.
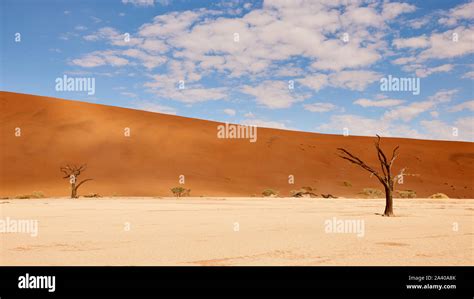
column 127, row 214
column 227, row 231
column 237, row 147
column 160, row 148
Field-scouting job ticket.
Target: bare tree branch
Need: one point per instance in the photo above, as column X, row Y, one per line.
column 386, row 166
column 74, row 170
column 82, row 182
column 394, row 155
column 353, row 159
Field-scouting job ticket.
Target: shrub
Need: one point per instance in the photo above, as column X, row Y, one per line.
column 303, row 192
column 439, row 195
column 269, row 192
column 37, row 194
column 91, row 195
column 373, row 193
column 180, row 191
column 347, row 184
column 406, row 193
column 34, row 194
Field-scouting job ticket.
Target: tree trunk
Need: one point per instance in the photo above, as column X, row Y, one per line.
column 73, row 190
column 388, row 202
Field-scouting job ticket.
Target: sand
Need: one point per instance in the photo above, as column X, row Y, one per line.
column 162, row 147
column 237, row 231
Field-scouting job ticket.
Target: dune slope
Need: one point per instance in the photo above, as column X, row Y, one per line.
column 163, row 147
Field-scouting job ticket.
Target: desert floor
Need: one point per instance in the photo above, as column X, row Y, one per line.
column 237, row 231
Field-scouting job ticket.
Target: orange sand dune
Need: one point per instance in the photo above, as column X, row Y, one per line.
column 162, row 147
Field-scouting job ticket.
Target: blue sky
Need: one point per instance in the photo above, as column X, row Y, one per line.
column 301, row 65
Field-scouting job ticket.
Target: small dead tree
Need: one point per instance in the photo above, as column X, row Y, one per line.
column 71, row 172
column 385, row 178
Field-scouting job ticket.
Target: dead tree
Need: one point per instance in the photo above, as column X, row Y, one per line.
column 71, row 172
column 385, row 178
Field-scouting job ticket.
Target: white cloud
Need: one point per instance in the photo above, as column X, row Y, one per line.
column 439, row 45
column 356, row 125
column 315, row 82
column 229, row 111
column 409, row 112
column 391, row 10
column 148, row 61
column 261, row 44
column 272, row 94
column 429, row 129
column 468, row 75
column 412, row 42
column 287, row 71
column 195, row 94
column 100, row 58
column 129, row 94
column 465, row 126
column 412, row 110
column 404, row 60
column 171, row 24
column 80, row 28
column 154, row 46
column 114, row 37
column 320, row 107
column 460, row 12
column 96, row 19
column 167, row 87
column 142, row 3
column 205, row 40
column 68, row 35
column 367, row 16
column 249, row 115
column 264, row 123
column 378, row 103
column 449, row 44
column 461, row 129
column 163, row 2
column 353, row 80
column 443, row 96
column 425, row 72
column 468, row 105
column 154, row 107
column 418, row 23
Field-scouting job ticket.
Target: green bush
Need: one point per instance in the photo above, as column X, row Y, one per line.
column 37, row 194
column 439, row 195
column 34, row 194
column 406, row 193
column 373, row 193
column 180, row 191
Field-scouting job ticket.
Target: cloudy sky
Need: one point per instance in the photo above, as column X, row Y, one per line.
column 300, row 65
